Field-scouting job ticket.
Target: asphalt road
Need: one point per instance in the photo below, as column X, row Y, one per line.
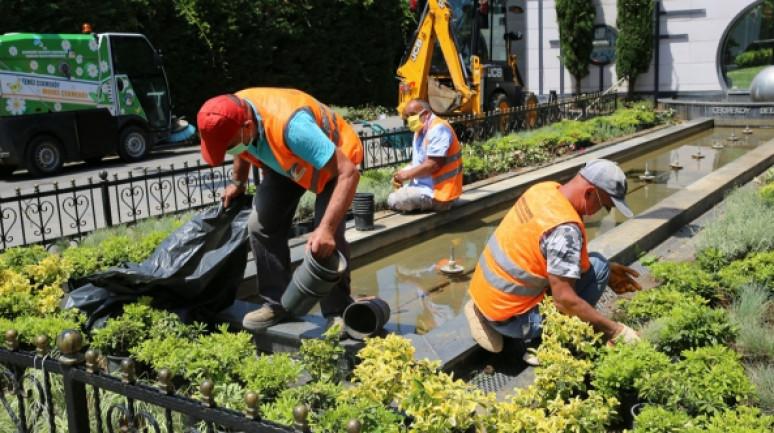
column 80, row 171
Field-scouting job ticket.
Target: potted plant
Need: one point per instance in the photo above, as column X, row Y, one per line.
column 138, row 322
column 618, row 368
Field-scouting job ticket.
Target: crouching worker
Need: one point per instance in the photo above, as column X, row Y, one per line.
column 541, row 247
column 435, row 174
column 301, row 145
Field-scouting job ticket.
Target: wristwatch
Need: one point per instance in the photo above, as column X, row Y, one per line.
column 239, row 183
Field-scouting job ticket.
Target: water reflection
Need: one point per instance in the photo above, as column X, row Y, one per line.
column 408, row 276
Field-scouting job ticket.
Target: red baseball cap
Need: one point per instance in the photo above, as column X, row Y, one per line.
column 219, row 120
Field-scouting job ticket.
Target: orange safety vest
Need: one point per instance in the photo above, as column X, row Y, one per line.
column 447, row 180
column 276, row 107
column 511, row 276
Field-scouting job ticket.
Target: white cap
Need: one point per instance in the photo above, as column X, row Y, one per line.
column 608, row 176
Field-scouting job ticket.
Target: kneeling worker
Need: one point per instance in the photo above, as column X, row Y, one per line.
column 435, row 173
column 539, row 248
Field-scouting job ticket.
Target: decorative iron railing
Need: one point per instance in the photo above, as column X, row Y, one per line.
column 69, row 392
column 46, row 216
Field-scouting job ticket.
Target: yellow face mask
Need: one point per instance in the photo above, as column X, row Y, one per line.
column 414, row 123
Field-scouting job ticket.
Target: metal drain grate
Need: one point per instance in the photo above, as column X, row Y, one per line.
column 506, row 366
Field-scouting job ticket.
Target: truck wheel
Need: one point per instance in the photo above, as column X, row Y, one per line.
column 44, row 156
column 133, row 144
column 531, row 115
column 499, row 102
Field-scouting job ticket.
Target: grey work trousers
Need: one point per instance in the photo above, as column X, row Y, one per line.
column 269, row 225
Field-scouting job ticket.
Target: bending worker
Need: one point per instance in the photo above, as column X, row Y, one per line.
column 541, row 246
column 301, row 145
column 435, row 173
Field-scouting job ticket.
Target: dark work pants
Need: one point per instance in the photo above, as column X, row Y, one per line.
column 274, row 206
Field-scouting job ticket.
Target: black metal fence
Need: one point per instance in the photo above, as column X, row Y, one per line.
column 44, row 216
column 69, row 392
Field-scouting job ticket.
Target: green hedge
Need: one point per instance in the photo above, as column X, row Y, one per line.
column 211, row 47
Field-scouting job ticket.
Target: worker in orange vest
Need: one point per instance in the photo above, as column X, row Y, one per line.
column 541, row 246
column 435, row 174
column 301, row 145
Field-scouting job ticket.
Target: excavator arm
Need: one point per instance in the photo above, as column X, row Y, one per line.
column 414, row 71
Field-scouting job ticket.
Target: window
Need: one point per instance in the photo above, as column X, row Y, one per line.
column 748, row 46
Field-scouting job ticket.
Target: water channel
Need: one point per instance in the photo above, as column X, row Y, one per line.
column 421, row 298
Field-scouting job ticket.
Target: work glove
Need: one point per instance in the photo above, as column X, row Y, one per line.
column 396, row 183
column 621, row 280
column 626, row 335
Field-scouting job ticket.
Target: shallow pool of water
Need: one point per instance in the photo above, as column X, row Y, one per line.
column 421, row 298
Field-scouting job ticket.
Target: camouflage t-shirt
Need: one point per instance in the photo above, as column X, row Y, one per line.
column 562, row 249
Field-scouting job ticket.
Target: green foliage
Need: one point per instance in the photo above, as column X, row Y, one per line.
column 17, row 258
column 576, row 35
column 762, row 376
column 707, row 380
column 767, row 193
column 322, row 358
column 214, row 356
column 366, row 112
column 658, row 419
column 734, row 236
column 138, row 323
column 618, row 368
column 84, row 260
column 743, row 419
column 749, row 59
column 648, row 305
column 634, row 46
column 318, row 396
column 268, row 375
column 373, row 418
column 30, row 327
column 750, row 312
column 757, row 268
column 691, row 326
column 687, row 277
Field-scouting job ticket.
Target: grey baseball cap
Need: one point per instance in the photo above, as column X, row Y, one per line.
column 608, row 176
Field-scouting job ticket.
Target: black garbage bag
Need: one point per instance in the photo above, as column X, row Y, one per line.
column 194, row 272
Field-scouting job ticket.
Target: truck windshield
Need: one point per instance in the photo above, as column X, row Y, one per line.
column 134, row 57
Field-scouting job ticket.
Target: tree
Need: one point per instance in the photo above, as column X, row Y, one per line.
column 634, row 47
column 576, row 36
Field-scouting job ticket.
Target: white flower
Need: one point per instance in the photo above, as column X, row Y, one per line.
column 79, row 71
column 92, row 68
column 58, row 107
column 71, row 54
column 34, row 65
column 93, row 45
column 79, row 59
column 51, row 69
column 16, row 106
column 103, row 66
column 12, row 50
column 66, row 45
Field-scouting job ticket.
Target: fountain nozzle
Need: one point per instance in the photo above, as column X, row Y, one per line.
column 452, row 268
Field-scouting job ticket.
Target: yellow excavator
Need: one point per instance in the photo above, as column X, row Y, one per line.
column 460, row 60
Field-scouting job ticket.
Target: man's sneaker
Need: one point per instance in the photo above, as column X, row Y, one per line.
column 481, row 331
column 263, row 317
column 529, row 352
column 531, row 359
column 336, row 320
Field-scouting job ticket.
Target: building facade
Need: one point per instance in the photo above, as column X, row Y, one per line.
column 703, row 47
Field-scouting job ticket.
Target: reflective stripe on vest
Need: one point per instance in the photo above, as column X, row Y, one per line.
column 277, row 107
column 528, row 284
column 512, row 276
column 447, row 180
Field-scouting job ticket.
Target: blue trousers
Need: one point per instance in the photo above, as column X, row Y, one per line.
column 589, row 287
column 274, row 206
